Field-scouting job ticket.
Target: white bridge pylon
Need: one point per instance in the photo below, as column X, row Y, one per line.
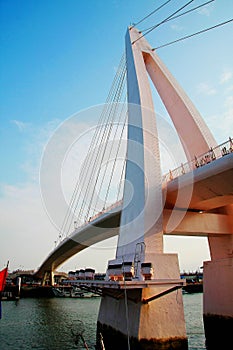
column 141, row 218
column 140, row 244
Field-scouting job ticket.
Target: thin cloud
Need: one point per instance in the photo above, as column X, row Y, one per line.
column 205, row 11
column 229, row 89
column 227, row 126
column 222, row 130
column 20, row 125
column 34, row 144
column 226, row 76
column 206, row 89
column 24, row 220
column 229, row 103
column 176, row 27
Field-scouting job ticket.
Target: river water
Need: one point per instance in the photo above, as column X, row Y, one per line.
column 56, row 323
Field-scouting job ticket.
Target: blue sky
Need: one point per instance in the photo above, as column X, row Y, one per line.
column 59, row 57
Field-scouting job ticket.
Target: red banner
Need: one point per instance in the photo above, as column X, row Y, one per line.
column 3, row 276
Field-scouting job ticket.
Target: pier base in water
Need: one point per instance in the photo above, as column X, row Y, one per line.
column 116, row 340
column 218, row 332
column 124, row 317
column 218, row 305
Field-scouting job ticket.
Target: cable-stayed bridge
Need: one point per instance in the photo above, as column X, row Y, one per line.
column 106, row 223
column 121, row 191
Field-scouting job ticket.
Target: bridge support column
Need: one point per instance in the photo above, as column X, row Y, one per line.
column 158, row 324
column 218, row 303
column 218, row 291
column 48, row 278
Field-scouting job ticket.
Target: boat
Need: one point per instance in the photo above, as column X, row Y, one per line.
column 196, row 287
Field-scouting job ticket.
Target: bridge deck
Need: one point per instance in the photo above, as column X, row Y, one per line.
column 117, row 289
column 211, row 188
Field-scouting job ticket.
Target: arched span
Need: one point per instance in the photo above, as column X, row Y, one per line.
column 217, row 174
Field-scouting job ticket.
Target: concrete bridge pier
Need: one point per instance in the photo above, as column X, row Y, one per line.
column 218, row 303
column 218, row 290
column 130, row 318
column 48, row 278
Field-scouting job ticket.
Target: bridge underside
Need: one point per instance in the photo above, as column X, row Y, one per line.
column 212, row 190
column 104, row 227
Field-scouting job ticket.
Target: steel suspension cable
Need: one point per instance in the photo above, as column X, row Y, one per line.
column 104, row 136
column 94, row 142
column 150, row 14
column 115, row 160
column 79, row 182
column 197, row 33
column 102, row 139
column 121, row 182
column 114, row 106
column 181, row 14
column 104, row 112
column 163, row 21
column 109, row 154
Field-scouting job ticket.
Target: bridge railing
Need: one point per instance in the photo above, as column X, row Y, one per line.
column 103, row 211
column 198, row 161
column 214, row 153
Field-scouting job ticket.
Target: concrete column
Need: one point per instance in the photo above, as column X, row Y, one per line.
column 51, row 280
column 218, row 303
column 160, row 323
column 218, row 290
column 48, row 275
column 157, row 325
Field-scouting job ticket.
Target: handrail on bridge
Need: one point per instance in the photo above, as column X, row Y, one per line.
column 104, row 210
column 205, row 158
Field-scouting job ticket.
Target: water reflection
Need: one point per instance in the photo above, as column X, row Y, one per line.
column 48, row 324
column 52, row 324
